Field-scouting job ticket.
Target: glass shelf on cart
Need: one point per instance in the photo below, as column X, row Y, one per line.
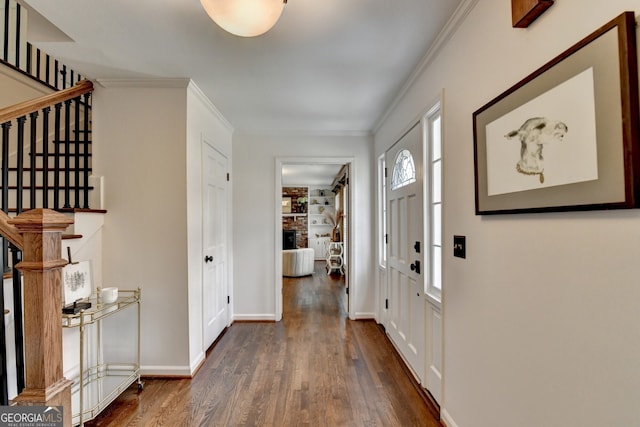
column 99, row 310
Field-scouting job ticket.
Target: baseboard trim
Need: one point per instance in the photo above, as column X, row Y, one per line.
column 254, row 318
column 365, row 316
column 426, row 397
column 197, row 363
column 446, row 419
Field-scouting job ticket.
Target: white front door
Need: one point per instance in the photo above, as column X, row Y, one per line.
column 405, row 249
column 215, row 307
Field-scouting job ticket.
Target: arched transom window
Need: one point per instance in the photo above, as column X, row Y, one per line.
column 404, row 170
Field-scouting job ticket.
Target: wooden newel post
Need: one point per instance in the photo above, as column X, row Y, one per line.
column 42, row 270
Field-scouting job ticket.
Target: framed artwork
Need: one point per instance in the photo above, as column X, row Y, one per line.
column 286, row 205
column 565, row 137
column 76, row 281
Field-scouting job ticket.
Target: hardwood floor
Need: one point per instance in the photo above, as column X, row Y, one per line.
column 315, row 368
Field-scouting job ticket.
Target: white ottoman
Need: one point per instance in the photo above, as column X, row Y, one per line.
column 297, row 262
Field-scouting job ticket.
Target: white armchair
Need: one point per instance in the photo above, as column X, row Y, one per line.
column 297, row 262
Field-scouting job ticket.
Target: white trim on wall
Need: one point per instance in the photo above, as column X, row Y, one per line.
column 444, row 416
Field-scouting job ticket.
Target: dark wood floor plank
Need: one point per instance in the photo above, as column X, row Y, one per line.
column 314, row 368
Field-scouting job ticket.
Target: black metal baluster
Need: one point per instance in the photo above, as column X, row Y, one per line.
column 76, row 153
column 5, row 50
column 20, row 164
column 47, row 64
column 45, row 157
column 33, row 121
column 6, row 127
column 56, row 73
column 87, row 99
column 5, row 189
column 38, row 63
column 63, row 73
column 67, row 151
column 18, row 318
column 56, row 157
column 29, row 61
column 4, row 386
column 4, row 254
column 17, row 63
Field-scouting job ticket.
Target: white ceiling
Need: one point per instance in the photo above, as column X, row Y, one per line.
column 328, row 66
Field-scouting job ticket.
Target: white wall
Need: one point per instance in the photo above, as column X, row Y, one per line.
column 148, row 147
column 17, row 87
column 254, row 234
column 140, row 149
column 541, row 320
column 204, row 122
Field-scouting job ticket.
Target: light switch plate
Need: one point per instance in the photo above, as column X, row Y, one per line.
column 459, row 246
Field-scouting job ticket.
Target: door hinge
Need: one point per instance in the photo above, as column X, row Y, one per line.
column 386, row 239
column 228, row 299
column 347, row 290
column 386, row 304
column 385, row 172
column 228, row 177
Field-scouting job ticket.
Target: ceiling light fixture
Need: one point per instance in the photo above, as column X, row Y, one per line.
column 244, row 18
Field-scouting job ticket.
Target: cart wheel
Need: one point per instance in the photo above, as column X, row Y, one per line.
column 140, row 386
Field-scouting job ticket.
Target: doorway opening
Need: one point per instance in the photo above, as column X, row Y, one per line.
column 314, row 217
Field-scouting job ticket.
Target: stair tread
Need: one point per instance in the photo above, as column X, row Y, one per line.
column 83, row 210
column 71, row 236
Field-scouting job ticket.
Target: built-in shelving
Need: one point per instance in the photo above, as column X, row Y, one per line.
column 321, row 203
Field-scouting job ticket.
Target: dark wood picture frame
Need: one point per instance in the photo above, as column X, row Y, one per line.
column 610, row 52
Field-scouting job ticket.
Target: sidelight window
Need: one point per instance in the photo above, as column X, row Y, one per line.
column 433, row 220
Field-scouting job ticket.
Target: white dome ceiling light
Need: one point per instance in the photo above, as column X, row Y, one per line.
column 244, row 18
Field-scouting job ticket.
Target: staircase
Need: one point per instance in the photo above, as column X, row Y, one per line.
column 46, row 151
column 46, row 162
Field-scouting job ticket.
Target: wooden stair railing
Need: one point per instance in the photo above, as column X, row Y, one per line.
column 37, row 104
column 54, row 132
column 9, row 231
column 38, row 232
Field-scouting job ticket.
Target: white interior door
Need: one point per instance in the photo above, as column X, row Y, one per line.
column 405, row 249
column 215, row 293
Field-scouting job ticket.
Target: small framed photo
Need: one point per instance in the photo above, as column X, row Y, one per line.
column 286, row 205
column 76, row 282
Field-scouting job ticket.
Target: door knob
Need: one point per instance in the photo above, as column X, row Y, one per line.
column 415, row 267
column 208, row 258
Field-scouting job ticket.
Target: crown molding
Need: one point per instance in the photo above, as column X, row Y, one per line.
column 154, row 83
column 449, row 29
column 303, row 132
column 196, row 91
